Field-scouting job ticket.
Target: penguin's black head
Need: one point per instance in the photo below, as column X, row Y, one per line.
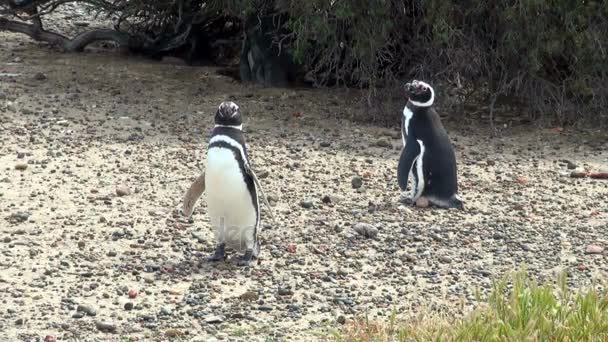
column 421, row 94
column 228, row 114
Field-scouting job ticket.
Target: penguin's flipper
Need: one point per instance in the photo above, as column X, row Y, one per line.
column 409, row 154
column 194, row 192
column 263, row 195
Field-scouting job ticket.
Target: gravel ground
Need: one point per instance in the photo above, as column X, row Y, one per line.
column 96, row 151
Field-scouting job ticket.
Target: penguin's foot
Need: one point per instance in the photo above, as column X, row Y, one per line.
column 219, row 254
column 245, row 260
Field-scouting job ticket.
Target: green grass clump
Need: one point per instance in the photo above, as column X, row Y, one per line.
column 524, row 312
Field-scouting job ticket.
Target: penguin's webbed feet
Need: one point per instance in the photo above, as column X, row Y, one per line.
column 219, row 254
column 245, row 260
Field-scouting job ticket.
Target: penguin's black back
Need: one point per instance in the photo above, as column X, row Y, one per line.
column 439, row 160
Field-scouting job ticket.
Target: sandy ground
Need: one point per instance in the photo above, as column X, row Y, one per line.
column 78, row 262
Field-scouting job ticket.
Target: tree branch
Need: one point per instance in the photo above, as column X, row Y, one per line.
column 72, row 45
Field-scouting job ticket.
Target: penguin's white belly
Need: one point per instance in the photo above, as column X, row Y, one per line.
column 229, row 203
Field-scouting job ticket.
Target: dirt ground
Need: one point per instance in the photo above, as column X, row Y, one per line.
column 79, row 262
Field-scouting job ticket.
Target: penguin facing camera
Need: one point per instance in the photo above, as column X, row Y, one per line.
column 232, row 189
column 427, row 156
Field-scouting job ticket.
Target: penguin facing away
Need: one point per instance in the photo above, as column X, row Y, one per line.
column 427, row 155
column 231, row 187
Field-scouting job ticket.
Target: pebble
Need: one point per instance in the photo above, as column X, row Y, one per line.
column 578, row 174
column 383, row 142
column 123, row 190
column 265, row 307
column 594, row 249
column 307, row 204
column 366, row 229
column 445, row 259
column 20, row 166
column 249, row 296
column 325, row 143
column 105, row 326
column 88, row 310
column 356, row 182
column 128, row 306
column 214, row 319
column 39, row 76
column 422, row 202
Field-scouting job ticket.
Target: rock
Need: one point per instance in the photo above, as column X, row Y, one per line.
column 105, row 326
column 422, row 202
column 88, row 310
column 50, row 338
column 39, row 76
column 383, row 142
column 18, row 217
column 490, row 162
column 19, row 321
column 17, row 60
column 123, row 190
column 307, row 204
column 326, row 199
column 356, row 182
column 570, row 165
column 128, row 306
column 594, row 249
column 214, row 319
column 445, row 259
column 598, row 175
column 325, row 143
column 20, row 155
column 341, row 319
column 249, row 296
column 173, row 333
column 578, row 174
column 265, row 307
column 20, row 166
column 81, row 23
column 132, row 293
column 365, row 229
column 263, row 174
column 283, row 291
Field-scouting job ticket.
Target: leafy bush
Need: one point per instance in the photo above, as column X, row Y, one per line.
column 517, row 310
column 550, row 55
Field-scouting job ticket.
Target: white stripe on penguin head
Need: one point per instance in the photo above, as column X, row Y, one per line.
column 430, row 101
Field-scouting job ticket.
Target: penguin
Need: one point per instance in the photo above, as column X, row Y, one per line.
column 232, row 189
column 427, row 156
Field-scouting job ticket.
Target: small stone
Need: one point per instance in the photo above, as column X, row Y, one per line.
column 581, row 268
column 105, row 326
column 307, row 204
column 571, row 165
column 263, row 174
column 173, row 333
column 112, row 254
column 356, row 182
column 326, row 199
column 422, row 202
column 365, row 229
column 594, row 249
column 88, row 310
column 341, row 319
column 20, row 166
column 40, row 76
column 20, row 155
column 265, row 307
column 19, row 321
column 17, row 60
column 128, row 306
column 490, row 162
column 578, row 174
column 383, row 142
column 445, row 259
column 132, row 293
column 50, row 338
column 325, row 143
column 250, row 296
column 81, row 244
column 285, row 291
column 214, row 319
column 123, row 190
